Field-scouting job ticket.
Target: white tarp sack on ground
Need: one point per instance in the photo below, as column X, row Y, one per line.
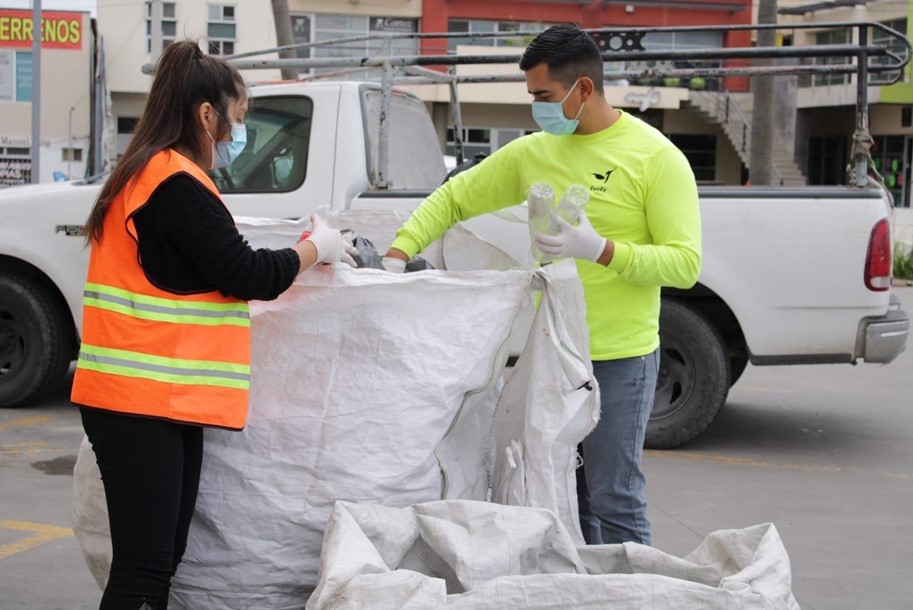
column 358, row 375
column 465, row 555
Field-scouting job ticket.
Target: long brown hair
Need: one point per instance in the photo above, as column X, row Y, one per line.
column 184, row 79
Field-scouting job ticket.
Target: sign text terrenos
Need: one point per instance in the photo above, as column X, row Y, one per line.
column 59, row 30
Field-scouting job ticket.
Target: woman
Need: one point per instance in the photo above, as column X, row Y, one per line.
column 166, row 330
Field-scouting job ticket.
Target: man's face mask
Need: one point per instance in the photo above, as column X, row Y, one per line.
column 224, row 153
column 550, row 115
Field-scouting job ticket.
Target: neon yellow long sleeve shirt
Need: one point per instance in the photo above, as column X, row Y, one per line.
column 643, row 197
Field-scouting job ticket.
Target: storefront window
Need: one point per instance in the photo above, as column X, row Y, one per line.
column 478, row 26
column 891, row 156
column 827, row 160
column 15, row 166
column 700, row 150
column 15, row 76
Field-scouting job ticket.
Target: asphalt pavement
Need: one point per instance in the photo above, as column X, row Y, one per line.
column 825, row 453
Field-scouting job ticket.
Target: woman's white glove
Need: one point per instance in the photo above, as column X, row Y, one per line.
column 581, row 241
column 393, row 264
column 331, row 246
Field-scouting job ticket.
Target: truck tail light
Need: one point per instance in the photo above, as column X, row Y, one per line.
column 878, row 259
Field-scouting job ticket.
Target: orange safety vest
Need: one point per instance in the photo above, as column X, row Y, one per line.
column 146, row 351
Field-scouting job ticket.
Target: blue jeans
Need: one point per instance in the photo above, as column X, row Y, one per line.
column 611, row 483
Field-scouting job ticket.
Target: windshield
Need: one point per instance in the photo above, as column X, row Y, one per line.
column 415, row 157
column 278, row 142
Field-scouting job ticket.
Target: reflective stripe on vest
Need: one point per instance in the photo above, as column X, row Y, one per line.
column 165, row 310
column 151, row 352
column 168, row 370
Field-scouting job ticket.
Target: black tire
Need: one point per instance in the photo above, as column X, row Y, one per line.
column 36, row 342
column 737, row 366
column 693, row 379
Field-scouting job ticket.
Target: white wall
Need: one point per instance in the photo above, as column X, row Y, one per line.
column 902, row 226
column 886, row 119
column 122, row 26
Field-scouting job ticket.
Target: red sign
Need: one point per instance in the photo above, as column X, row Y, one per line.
column 58, row 30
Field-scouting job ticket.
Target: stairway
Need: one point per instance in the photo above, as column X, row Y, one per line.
column 732, row 111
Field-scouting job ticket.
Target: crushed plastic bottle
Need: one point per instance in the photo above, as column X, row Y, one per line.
column 543, row 211
column 573, row 202
column 541, row 203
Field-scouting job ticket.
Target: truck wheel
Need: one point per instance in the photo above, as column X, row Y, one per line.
column 35, row 342
column 693, row 379
column 737, row 366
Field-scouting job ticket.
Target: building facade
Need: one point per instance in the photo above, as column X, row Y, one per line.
column 494, row 114
column 825, row 104
column 817, row 123
column 225, row 28
column 126, row 31
column 323, row 20
column 67, row 52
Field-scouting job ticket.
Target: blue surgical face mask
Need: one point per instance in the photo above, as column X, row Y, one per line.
column 224, row 153
column 549, row 116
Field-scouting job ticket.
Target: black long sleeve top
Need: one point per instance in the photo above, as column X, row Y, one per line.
column 188, row 244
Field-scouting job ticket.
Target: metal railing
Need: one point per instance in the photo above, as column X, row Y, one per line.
column 624, row 45
column 725, row 109
column 722, row 107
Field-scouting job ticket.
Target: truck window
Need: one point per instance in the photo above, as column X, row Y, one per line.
column 278, row 138
column 415, row 157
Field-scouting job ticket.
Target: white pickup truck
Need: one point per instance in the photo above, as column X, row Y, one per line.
column 790, row 276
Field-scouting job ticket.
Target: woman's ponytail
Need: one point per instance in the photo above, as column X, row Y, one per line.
column 185, row 78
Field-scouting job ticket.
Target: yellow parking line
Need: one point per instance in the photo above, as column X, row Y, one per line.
column 764, row 464
column 42, row 534
column 29, row 448
column 28, row 421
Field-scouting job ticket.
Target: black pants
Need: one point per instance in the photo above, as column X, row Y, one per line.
column 151, row 471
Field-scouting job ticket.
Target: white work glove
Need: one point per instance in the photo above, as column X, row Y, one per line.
column 581, row 241
column 331, row 246
column 393, row 264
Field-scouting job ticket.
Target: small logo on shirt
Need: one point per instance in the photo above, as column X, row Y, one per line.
column 603, row 178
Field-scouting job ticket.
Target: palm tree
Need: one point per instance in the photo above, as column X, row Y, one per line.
column 762, row 121
column 284, row 36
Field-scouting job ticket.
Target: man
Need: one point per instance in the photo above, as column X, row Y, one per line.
column 640, row 231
